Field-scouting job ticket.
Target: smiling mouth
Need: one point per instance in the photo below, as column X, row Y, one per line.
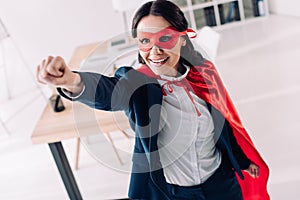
column 160, row 61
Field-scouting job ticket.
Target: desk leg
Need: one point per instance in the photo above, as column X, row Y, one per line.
column 65, row 170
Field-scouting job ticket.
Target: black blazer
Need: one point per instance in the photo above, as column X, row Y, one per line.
column 140, row 96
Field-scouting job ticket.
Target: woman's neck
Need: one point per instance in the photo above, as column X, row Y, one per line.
column 180, row 70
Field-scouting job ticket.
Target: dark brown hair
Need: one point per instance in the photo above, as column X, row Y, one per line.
column 173, row 14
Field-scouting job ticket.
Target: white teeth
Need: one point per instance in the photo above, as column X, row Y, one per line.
column 158, row 61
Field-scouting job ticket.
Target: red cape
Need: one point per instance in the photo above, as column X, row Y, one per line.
column 207, row 84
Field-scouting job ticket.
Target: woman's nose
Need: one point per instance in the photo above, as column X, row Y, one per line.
column 156, row 50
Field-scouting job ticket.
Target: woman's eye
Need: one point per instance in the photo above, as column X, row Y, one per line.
column 165, row 38
column 144, row 41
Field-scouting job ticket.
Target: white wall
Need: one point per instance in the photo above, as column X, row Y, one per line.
column 285, row 7
column 56, row 27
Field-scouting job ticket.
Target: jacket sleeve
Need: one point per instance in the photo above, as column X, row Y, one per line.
column 102, row 92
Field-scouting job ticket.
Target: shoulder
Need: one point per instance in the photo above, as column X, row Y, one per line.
column 134, row 76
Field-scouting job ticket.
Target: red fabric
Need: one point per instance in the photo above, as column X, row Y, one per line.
column 207, row 84
column 155, row 38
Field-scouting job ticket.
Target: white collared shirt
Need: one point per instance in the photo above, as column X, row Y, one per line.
column 186, row 145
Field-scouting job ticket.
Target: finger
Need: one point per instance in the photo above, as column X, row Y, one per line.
column 46, row 78
column 54, row 81
column 56, row 67
column 42, row 67
column 251, row 172
column 54, row 70
column 255, row 172
column 38, row 71
column 48, row 60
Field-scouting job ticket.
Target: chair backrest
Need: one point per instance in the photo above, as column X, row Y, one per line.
column 208, row 40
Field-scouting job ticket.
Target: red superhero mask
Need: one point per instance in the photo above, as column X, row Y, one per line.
column 166, row 38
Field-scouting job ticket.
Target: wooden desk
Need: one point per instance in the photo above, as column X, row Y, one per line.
column 53, row 127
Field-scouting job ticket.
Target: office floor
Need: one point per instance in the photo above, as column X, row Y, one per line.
column 259, row 63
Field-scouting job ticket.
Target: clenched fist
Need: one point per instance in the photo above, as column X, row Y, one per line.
column 253, row 170
column 53, row 71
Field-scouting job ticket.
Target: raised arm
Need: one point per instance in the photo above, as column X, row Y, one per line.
column 54, row 72
column 93, row 89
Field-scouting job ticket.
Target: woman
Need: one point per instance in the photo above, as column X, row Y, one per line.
column 189, row 140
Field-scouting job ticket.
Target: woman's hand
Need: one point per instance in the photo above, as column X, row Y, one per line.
column 253, row 170
column 53, row 71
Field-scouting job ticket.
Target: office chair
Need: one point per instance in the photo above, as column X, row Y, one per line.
column 208, row 40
